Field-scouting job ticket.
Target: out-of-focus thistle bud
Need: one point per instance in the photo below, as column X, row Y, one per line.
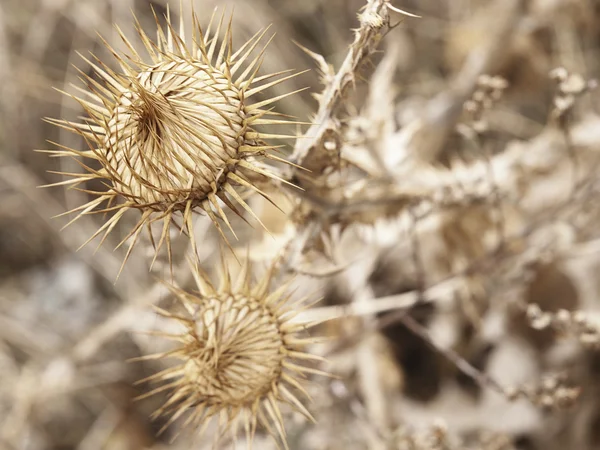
column 240, row 354
column 174, row 132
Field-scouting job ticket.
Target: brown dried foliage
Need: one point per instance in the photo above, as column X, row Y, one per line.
column 447, row 216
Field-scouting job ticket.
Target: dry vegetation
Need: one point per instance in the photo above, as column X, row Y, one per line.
column 447, row 219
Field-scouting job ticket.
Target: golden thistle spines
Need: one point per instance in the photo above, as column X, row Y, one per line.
column 175, row 134
column 239, row 357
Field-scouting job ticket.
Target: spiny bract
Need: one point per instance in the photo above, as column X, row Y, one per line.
column 239, row 356
column 175, row 133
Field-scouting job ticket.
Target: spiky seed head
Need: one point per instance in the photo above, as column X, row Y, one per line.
column 173, row 133
column 171, row 137
column 240, row 356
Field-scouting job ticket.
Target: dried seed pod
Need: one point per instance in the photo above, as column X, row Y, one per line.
column 175, row 134
column 240, row 356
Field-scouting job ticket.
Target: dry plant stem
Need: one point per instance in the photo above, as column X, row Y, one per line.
column 500, row 222
column 339, row 390
column 102, row 428
column 504, row 184
column 13, row 332
column 416, row 255
column 463, row 365
column 23, row 402
column 294, row 248
column 370, row 376
column 398, row 306
column 365, row 41
column 367, row 365
column 442, row 294
column 551, row 393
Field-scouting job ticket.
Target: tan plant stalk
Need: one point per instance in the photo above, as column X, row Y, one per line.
column 240, row 354
column 174, row 133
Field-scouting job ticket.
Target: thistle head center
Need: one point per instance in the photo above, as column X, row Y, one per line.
column 176, row 129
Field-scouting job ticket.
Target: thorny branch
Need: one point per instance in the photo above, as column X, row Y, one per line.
column 374, row 20
column 426, row 144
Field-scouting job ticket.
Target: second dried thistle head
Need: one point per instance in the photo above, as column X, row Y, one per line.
column 240, row 353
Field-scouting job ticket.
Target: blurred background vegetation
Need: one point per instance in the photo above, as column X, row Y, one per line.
column 56, row 302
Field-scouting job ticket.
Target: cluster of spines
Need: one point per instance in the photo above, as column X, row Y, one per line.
column 101, row 98
column 227, row 325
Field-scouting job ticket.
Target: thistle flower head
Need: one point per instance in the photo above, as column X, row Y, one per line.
column 190, row 124
column 239, row 356
column 173, row 133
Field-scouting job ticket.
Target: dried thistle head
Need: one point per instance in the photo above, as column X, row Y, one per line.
column 240, row 356
column 174, row 132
